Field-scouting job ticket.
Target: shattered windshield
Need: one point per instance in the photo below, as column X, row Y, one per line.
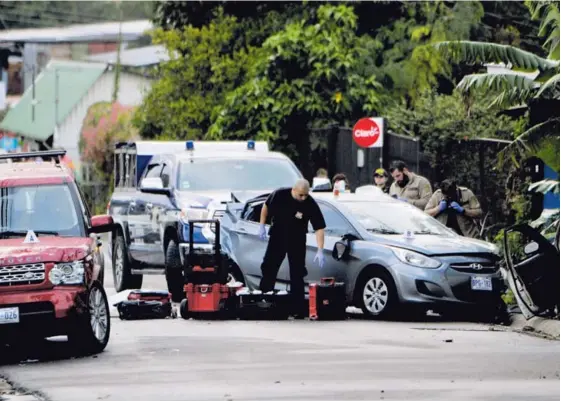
column 236, row 175
column 394, row 218
column 45, row 209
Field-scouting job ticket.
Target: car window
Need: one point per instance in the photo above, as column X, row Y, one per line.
column 165, row 175
column 394, row 218
column 40, row 208
column 153, row 171
column 336, row 224
column 236, row 174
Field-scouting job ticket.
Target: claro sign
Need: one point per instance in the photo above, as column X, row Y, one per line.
column 369, row 132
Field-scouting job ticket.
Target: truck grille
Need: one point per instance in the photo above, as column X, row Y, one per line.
column 22, row 274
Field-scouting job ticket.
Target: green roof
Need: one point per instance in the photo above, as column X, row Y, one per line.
column 74, row 80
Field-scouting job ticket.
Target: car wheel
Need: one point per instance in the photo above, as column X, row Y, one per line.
column 234, row 274
column 174, row 272
column 123, row 279
column 91, row 331
column 377, row 294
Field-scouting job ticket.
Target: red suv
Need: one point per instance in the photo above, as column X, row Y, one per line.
column 51, row 269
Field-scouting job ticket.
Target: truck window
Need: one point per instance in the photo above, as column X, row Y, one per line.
column 166, row 173
column 236, row 175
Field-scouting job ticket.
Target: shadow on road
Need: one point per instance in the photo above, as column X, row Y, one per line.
column 46, row 350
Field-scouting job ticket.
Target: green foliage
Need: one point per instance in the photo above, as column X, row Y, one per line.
column 307, row 75
column 548, row 13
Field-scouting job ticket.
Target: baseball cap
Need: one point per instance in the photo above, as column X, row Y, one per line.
column 380, row 171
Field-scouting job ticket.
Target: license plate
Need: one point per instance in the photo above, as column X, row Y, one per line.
column 9, row 315
column 481, row 284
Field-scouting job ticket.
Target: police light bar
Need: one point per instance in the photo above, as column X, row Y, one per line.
column 190, row 145
column 251, row 145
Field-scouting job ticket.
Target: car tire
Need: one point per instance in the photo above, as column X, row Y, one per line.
column 123, row 279
column 91, row 330
column 377, row 294
column 174, row 272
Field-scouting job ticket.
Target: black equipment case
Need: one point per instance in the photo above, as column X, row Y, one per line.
column 146, row 304
column 327, row 300
column 254, row 305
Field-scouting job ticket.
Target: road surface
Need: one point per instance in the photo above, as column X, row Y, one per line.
column 357, row 359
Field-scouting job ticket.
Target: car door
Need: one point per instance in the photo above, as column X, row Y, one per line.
column 336, row 226
column 250, row 249
column 142, row 246
column 532, row 264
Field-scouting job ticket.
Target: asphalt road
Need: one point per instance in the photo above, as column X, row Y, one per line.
column 357, row 359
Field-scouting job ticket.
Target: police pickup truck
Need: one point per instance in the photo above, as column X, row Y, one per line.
column 160, row 186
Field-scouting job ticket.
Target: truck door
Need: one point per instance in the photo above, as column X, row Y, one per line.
column 143, row 245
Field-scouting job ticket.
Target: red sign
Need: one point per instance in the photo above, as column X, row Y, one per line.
column 367, row 132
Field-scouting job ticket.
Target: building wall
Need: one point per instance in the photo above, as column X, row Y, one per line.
column 132, row 89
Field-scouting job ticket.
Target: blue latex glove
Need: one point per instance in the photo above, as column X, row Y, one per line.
column 262, row 232
column 319, row 258
column 442, row 206
column 456, row 206
column 402, row 199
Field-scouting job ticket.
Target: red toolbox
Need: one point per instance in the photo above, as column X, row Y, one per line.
column 210, row 299
column 327, row 300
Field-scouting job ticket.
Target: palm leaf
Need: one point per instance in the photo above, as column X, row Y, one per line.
column 513, row 89
column 551, row 84
column 545, row 186
column 486, row 53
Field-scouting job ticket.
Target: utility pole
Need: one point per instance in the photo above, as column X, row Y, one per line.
column 118, row 62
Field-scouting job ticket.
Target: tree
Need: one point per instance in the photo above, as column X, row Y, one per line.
column 305, row 76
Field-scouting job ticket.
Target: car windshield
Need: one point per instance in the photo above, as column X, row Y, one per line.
column 394, row 218
column 45, row 209
column 236, row 175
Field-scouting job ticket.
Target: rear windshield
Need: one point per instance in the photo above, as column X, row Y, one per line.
column 41, row 208
column 236, row 175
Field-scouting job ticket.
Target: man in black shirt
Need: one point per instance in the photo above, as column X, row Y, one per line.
column 290, row 210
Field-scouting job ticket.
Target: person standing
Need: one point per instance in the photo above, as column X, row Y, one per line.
column 456, row 207
column 409, row 187
column 381, row 178
column 290, row 210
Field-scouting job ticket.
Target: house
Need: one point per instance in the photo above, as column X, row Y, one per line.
column 52, row 111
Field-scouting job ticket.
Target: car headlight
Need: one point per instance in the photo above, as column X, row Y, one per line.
column 67, row 273
column 415, row 259
column 193, row 214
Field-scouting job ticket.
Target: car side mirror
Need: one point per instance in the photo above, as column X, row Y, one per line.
column 153, row 185
column 531, row 248
column 102, row 224
column 339, row 250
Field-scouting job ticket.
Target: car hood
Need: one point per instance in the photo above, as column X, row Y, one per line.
column 203, row 199
column 436, row 244
column 49, row 249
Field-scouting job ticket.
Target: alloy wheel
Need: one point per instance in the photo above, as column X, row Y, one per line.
column 99, row 314
column 375, row 295
column 118, row 267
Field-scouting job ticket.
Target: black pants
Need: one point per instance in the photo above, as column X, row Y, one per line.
column 279, row 246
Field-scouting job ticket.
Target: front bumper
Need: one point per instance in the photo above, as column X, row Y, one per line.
column 42, row 313
column 444, row 285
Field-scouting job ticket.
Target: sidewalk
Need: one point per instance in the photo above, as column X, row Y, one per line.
column 548, row 328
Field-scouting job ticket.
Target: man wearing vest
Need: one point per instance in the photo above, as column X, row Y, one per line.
column 409, row 187
column 456, row 207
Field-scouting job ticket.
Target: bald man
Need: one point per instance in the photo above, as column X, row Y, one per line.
column 290, row 210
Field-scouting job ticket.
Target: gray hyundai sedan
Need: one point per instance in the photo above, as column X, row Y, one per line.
column 390, row 254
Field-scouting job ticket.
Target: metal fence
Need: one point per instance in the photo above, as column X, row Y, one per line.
column 472, row 162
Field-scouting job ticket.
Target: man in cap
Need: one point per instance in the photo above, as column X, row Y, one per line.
column 456, row 207
column 409, row 187
column 290, row 210
column 381, row 178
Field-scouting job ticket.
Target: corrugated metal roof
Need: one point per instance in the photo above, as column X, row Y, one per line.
column 139, row 57
column 106, row 31
column 75, row 79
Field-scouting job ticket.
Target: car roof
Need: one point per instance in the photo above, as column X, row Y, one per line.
column 33, row 173
column 245, row 154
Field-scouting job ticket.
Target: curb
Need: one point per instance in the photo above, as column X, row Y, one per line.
column 548, row 328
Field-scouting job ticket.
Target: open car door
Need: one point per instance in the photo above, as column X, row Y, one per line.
column 532, row 264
